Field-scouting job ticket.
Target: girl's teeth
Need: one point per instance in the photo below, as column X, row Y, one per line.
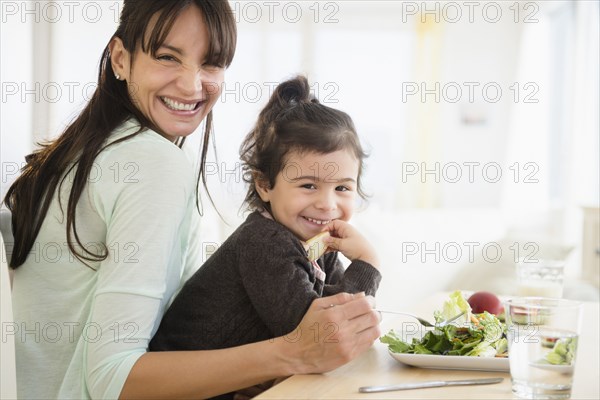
column 317, row 221
column 177, row 106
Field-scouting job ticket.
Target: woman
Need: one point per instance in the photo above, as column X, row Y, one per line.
column 105, row 226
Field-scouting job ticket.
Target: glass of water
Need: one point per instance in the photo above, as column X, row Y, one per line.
column 543, row 278
column 542, row 345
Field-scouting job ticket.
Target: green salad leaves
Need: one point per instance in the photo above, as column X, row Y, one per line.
column 563, row 352
column 454, row 306
column 476, row 335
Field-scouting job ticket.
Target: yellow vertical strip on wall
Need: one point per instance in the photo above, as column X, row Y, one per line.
column 423, row 136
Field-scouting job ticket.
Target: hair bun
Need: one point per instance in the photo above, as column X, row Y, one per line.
column 295, row 91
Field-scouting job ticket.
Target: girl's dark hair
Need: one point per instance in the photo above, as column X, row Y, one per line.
column 30, row 195
column 294, row 120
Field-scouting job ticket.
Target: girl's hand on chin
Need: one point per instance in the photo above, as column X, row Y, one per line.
column 349, row 241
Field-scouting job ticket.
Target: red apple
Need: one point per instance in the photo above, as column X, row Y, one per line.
column 485, row 301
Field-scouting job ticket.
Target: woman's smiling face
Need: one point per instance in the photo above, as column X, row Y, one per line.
column 177, row 88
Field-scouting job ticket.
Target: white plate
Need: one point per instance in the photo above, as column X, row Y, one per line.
column 452, row 362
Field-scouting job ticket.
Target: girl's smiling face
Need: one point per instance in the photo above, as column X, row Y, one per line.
column 177, row 88
column 311, row 190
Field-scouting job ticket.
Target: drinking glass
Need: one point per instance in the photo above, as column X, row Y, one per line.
column 542, row 338
column 542, row 278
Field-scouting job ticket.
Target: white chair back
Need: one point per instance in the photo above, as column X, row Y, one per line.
column 8, row 376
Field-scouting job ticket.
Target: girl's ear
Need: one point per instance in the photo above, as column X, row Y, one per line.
column 262, row 187
column 119, row 58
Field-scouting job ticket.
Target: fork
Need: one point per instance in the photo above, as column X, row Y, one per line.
column 423, row 321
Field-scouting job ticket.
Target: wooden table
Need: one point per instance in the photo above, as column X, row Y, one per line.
column 376, row 367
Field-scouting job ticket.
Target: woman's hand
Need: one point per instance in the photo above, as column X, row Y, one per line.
column 334, row 330
column 347, row 240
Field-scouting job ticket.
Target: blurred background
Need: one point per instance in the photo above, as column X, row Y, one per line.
column 481, row 120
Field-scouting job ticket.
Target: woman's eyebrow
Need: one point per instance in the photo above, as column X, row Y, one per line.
column 173, row 48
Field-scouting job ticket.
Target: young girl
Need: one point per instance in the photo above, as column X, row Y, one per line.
column 303, row 162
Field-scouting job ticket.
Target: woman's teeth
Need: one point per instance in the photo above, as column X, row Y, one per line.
column 177, row 106
column 317, row 221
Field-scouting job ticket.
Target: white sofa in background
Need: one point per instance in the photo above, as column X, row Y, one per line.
column 418, row 251
column 418, row 248
column 500, row 277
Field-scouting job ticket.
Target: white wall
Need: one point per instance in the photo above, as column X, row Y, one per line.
column 16, row 76
column 49, row 55
column 484, row 55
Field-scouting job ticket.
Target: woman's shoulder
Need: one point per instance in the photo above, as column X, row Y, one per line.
column 144, row 152
column 139, row 143
column 147, row 164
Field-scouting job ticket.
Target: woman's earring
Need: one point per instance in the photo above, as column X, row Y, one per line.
column 118, row 77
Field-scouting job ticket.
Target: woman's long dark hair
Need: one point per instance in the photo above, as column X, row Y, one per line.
column 294, row 120
column 29, row 197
